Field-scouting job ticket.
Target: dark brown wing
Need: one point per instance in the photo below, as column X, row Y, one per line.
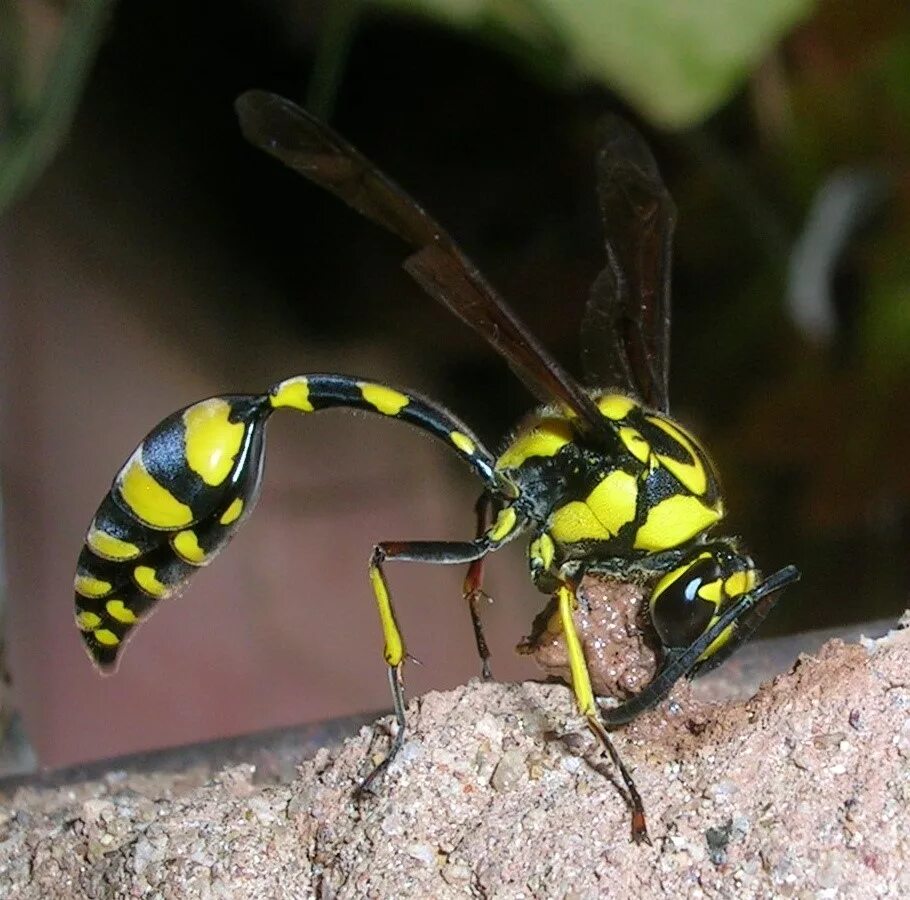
column 626, row 328
column 311, row 148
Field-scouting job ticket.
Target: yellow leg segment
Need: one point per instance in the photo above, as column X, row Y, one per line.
column 394, row 651
column 584, row 697
column 581, row 680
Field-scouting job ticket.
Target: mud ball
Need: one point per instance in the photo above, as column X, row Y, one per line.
column 616, row 637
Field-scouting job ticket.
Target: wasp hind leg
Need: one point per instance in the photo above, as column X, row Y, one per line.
column 584, row 698
column 506, row 526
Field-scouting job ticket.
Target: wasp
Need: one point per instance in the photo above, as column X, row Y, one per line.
column 600, row 477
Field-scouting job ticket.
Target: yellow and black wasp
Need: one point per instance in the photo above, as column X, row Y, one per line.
column 600, row 478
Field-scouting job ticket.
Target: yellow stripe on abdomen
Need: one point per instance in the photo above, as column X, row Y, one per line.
column 92, row 588
column 147, row 579
column 384, row 399
column 186, row 546
column 212, row 440
column 149, row 501
column 292, row 392
column 120, row 612
column 232, row 513
column 109, row 547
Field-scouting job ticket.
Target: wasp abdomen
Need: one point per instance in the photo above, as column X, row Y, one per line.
column 312, row 393
column 185, row 490
column 652, row 489
column 176, row 502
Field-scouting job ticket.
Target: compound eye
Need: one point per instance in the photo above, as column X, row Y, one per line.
column 685, row 601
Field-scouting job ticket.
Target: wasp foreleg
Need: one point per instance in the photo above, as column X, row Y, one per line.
column 584, row 697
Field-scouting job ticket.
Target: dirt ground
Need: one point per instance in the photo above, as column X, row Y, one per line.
column 801, row 791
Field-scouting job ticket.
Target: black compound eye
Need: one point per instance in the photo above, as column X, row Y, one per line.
column 681, row 610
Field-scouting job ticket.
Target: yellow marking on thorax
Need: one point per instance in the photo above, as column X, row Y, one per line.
column 691, row 475
column 616, row 406
column 86, row 586
column 107, row 637
column 546, row 438
column 109, row 547
column 186, row 545
column 543, row 550
column 613, row 500
column 232, row 513
column 119, row 611
column 576, row 522
column 292, row 392
column 147, row 579
column 635, row 443
column 609, row 506
column 87, row 621
column 384, row 399
column 503, row 525
column 675, row 520
column 149, row 501
column 462, row 442
column 212, row 440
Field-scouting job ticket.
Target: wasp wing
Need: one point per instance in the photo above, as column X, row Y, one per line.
column 626, row 327
column 310, row 147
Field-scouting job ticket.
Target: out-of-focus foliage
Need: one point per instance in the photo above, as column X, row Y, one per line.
column 846, row 103
column 675, row 62
column 41, row 81
column 813, row 436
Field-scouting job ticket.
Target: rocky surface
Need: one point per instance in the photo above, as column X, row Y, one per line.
column 800, row 791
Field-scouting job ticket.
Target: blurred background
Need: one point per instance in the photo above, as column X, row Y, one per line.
column 149, row 257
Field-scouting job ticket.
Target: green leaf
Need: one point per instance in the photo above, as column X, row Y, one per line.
column 675, row 61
